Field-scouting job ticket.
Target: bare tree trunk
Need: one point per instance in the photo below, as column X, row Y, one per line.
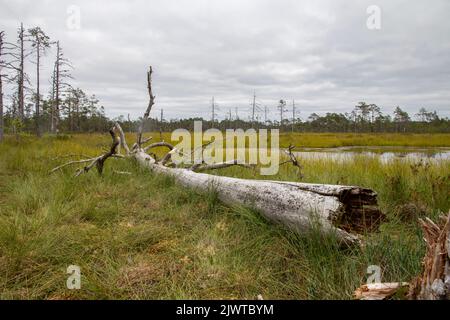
column 1, row 88
column 71, row 107
column 52, row 109
column 20, row 79
column 57, row 87
column 38, row 93
column 40, row 43
column 78, row 116
column 1, row 103
column 149, row 107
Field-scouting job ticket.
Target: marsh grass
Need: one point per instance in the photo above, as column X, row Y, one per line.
column 331, row 140
column 144, row 237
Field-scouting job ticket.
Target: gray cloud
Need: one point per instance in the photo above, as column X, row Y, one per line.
column 319, row 53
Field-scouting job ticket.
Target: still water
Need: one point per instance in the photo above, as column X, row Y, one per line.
column 384, row 153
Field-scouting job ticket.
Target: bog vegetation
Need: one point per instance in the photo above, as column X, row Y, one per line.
column 143, row 236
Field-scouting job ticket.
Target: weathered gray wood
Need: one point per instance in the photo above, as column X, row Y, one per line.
column 379, row 291
column 434, row 282
column 294, row 205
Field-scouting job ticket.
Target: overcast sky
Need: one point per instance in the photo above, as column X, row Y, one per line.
column 320, row 53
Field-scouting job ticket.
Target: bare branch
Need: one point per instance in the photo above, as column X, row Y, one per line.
column 293, row 160
column 72, row 162
column 97, row 161
column 149, row 108
column 203, row 146
column 146, row 140
column 220, row 165
column 195, row 166
column 168, row 156
column 159, row 144
column 123, row 142
column 122, row 172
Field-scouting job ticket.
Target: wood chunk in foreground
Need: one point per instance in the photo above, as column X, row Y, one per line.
column 378, row 291
column 434, row 282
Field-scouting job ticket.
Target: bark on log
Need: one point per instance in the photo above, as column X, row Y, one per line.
column 344, row 210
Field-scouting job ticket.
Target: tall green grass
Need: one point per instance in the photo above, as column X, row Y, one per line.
column 143, row 236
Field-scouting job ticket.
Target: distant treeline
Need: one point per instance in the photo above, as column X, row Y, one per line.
column 363, row 118
column 80, row 113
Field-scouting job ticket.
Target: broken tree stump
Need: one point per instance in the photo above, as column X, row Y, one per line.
column 434, row 282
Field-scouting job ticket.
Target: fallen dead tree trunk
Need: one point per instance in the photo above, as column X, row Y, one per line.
column 345, row 210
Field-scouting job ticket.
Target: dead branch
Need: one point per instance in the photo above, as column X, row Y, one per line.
column 147, row 140
column 168, row 156
column 71, row 163
column 123, row 142
column 220, row 165
column 96, row 161
column 195, row 166
column 87, row 168
column 122, row 172
column 149, row 107
column 159, row 144
column 293, row 160
column 203, row 147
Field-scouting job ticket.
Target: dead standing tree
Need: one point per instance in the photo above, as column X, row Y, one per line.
column 40, row 43
column 21, row 73
column 2, row 66
column 344, row 210
column 7, row 58
column 61, row 72
column 18, row 55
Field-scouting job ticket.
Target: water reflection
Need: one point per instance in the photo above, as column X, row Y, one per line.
column 384, row 153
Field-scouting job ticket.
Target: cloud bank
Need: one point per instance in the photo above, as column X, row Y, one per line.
column 319, row 53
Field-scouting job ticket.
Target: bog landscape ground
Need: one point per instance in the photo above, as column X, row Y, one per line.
column 142, row 236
